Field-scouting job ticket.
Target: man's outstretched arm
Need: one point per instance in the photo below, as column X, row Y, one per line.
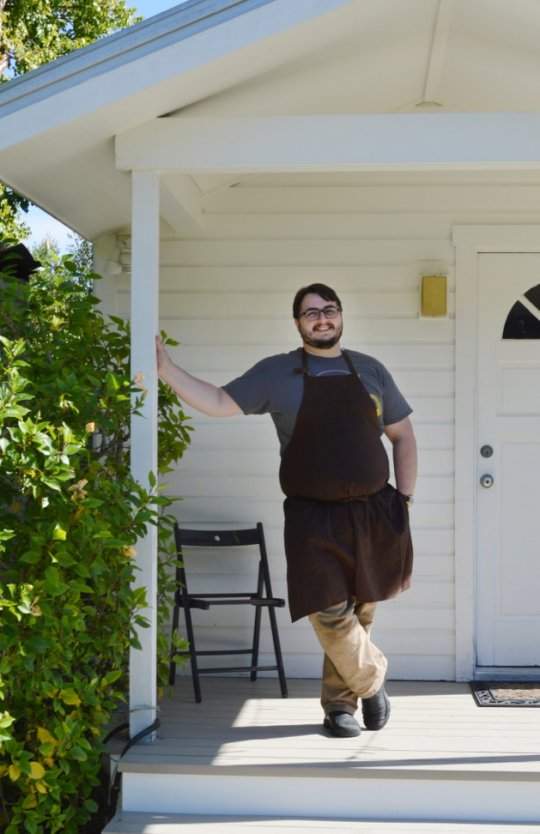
column 201, row 395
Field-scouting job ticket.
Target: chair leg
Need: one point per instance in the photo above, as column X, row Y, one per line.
column 192, row 653
column 174, row 630
column 182, row 598
column 257, row 626
column 265, row 572
column 277, row 652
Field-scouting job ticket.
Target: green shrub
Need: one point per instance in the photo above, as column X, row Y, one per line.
column 70, row 517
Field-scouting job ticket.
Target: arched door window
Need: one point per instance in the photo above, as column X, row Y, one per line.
column 523, row 320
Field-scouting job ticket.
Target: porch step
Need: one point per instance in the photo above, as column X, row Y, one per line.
column 363, row 794
column 133, row 823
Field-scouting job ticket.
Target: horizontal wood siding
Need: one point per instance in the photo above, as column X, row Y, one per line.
column 226, row 295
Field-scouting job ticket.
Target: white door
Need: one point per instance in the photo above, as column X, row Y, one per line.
column 508, row 408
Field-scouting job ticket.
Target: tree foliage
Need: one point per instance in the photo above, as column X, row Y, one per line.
column 82, row 253
column 11, row 206
column 35, row 32
column 70, row 518
column 80, row 250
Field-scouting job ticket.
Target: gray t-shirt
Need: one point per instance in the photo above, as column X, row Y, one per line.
column 274, row 386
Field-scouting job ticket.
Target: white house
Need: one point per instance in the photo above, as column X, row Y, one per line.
column 225, row 152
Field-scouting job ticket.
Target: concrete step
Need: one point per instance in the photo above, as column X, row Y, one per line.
column 158, row 784
column 134, row 823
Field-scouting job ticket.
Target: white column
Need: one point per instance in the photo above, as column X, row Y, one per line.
column 144, row 326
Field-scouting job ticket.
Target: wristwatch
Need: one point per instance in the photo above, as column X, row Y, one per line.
column 408, row 498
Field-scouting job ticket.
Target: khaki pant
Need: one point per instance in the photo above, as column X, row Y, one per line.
column 353, row 666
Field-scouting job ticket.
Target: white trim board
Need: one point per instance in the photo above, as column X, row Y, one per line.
column 393, row 141
column 506, row 673
column 469, row 242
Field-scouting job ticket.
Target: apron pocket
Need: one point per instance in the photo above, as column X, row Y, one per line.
column 393, row 509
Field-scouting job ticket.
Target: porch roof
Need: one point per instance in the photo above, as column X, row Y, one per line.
column 57, row 123
column 250, row 58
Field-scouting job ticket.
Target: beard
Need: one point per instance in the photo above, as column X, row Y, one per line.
column 324, row 341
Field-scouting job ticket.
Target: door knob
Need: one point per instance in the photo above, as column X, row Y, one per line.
column 487, row 481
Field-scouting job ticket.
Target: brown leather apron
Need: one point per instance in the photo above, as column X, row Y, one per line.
column 346, row 528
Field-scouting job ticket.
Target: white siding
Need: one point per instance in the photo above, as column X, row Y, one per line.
column 226, row 294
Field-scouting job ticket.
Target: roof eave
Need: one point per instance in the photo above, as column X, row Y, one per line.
column 169, row 27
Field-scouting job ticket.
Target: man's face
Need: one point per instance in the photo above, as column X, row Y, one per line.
column 322, row 332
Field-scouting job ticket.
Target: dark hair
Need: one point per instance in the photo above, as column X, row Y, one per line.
column 323, row 290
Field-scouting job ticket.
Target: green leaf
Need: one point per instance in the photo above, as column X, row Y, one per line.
column 78, row 754
column 38, row 645
column 72, row 448
column 59, row 534
column 54, row 584
column 31, row 824
column 37, row 771
column 14, row 772
column 16, row 411
column 6, row 534
column 70, row 697
column 6, row 720
column 31, row 557
column 52, row 484
column 111, row 677
column 112, row 384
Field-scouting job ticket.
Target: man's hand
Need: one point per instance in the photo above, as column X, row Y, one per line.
column 163, row 359
column 205, row 397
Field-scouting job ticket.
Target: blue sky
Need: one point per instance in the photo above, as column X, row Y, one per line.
column 42, row 224
column 149, row 7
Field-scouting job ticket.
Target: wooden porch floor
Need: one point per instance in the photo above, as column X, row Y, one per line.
column 433, row 727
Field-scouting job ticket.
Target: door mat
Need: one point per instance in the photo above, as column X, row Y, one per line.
column 512, row 694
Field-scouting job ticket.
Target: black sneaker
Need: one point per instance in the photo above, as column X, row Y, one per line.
column 341, row 724
column 376, row 710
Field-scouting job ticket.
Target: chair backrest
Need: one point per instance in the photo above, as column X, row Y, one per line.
column 218, row 538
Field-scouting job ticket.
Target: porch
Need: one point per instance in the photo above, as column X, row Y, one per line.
column 246, row 756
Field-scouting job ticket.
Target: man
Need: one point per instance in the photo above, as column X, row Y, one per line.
column 347, row 538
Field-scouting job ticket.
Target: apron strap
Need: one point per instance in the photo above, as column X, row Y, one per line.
column 348, row 360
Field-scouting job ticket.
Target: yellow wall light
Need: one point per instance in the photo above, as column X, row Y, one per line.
column 434, row 296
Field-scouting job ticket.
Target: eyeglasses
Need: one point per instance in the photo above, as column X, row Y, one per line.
column 314, row 313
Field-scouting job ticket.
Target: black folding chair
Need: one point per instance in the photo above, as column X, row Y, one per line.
column 259, row 599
